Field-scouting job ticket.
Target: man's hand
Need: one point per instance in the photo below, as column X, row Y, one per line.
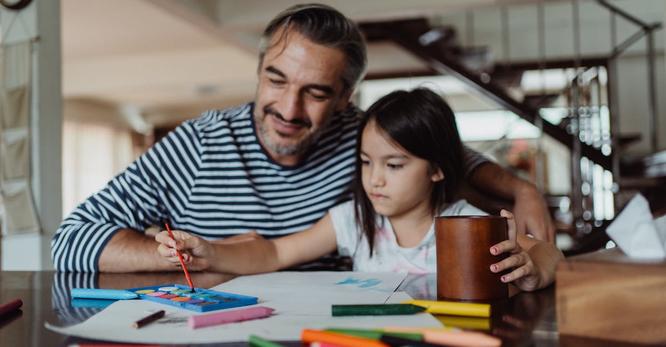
column 532, row 216
column 531, row 213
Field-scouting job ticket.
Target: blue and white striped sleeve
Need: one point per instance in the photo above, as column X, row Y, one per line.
column 472, row 160
column 138, row 197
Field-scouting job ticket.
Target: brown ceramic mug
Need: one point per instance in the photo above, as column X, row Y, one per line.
column 464, row 259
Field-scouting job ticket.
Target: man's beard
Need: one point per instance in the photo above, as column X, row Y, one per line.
column 280, row 149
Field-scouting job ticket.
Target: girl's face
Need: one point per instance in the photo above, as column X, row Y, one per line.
column 395, row 181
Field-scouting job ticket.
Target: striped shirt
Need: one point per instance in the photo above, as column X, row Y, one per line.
column 211, row 177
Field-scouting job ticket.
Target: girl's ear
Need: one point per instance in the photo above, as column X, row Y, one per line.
column 437, row 176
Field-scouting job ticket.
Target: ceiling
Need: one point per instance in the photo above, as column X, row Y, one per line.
column 171, row 59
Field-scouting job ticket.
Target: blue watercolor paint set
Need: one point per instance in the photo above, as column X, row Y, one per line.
column 202, row 300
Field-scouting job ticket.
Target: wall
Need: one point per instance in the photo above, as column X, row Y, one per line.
column 40, row 21
column 97, row 145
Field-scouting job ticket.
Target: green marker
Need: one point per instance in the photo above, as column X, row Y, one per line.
column 257, row 341
column 375, row 310
column 376, row 334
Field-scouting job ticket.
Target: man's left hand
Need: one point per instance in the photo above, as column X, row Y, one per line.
column 532, row 216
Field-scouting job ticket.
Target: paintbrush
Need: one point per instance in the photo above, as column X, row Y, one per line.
column 181, row 260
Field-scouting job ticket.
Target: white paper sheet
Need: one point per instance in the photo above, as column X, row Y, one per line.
column 301, row 299
column 314, row 292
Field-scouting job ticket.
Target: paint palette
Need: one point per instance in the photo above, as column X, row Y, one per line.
column 202, row 300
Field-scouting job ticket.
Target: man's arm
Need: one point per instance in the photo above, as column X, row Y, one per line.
column 116, row 217
column 128, row 251
column 529, row 207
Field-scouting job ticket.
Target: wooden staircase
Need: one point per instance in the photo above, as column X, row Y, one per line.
column 441, row 54
column 439, row 50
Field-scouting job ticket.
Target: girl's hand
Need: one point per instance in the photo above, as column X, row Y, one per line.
column 197, row 252
column 525, row 274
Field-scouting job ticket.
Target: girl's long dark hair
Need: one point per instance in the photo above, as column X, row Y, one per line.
column 422, row 123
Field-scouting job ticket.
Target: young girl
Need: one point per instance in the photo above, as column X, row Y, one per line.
column 409, row 167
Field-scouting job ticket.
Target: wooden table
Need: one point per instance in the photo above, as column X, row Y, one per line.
column 606, row 294
column 525, row 319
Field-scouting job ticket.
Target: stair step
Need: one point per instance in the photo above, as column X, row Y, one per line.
column 539, row 100
column 625, row 140
column 655, row 165
column 652, row 166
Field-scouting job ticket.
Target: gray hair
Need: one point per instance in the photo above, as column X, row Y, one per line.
column 326, row 26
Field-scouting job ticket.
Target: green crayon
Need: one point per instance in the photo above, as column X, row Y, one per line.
column 375, row 310
column 257, row 341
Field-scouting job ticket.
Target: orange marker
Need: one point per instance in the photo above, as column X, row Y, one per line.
column 444, row 336
column 329, row 338
column 180, row 258
column 461, row 338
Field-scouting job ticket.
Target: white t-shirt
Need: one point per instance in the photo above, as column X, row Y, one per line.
column 388, row 255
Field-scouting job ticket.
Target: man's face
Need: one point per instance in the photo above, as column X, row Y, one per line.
column 300, row 88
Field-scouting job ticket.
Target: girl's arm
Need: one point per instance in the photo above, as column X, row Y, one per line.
column 544, row 255
column 250, row 256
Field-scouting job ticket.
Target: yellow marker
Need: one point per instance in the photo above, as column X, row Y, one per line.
column 473, row 323
column 453, row 308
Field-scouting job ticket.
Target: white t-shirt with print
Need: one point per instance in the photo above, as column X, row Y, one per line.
column 388, row 255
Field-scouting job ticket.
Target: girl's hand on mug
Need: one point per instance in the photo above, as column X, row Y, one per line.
column 524, row 274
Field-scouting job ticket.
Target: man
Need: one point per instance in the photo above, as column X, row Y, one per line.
column 275, row 166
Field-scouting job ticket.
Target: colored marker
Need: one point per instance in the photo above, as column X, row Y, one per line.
column 473, row 323
column 148, row 319
column 204, row 320
column 10, row 307
column 375, row 334
column 180, row 259
column 256, row 341
column 91, row 303
column 444, row 336
column 395, row 341
column 93, row 293
column 313, row 336
column 375, row 310
column 453, row 308
column 461, row 338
